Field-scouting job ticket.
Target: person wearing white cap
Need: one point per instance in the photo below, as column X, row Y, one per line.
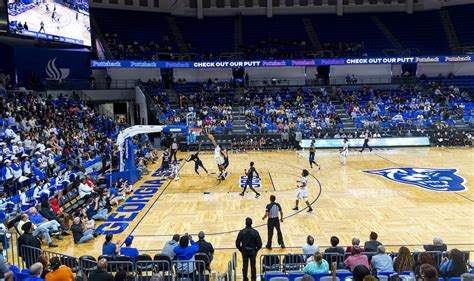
column 17, row 171
column 14, row 147
column 7, row 176
column 5, row 148
column 25, row 165
column 21, row 148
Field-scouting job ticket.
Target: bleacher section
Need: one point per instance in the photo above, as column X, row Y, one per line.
column 461, row 17
column 331, row 28
column 422, row 30
column 209, row 35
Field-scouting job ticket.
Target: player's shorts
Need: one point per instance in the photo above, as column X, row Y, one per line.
column 219, row 161
column 302, row 193
column 344, row 154
column 311, row 156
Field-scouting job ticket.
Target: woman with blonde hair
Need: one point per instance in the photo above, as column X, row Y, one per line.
column 318, row 265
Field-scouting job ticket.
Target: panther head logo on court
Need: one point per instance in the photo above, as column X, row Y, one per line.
column 444, row 180
column 56, row 73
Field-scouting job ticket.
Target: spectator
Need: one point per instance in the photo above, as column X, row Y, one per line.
column 27, row 239
column 356, row 259
column 424, row 258
column 310, row 248
column 85, row 191
column 307, row 277
column 404, row 260
column 204, row 246
column 381, row 262
column 168, row 248
column 438, row 245
column 94, row 212
column 101, row 274
column 355, row 243
column 372, row 244
column 35, row 272
column 44, row 260
column 80, row 233
column 428, row 272
column 186, row 252
column 334, row 248
column 110, row 248
column 59, row 272
column 454, row 265
column 47, row 212
column 128, row 250
column 360, row 272
column 248, row 242
column 318, row 265
column 5, row 271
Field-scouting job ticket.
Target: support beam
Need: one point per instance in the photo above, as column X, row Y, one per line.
column 199, row 10
column 269, row 8
column 340, row 7
column 409, row 6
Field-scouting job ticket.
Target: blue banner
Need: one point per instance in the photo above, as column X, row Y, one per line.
column 277, row 63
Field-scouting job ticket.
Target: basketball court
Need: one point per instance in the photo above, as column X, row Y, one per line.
column 347, row 202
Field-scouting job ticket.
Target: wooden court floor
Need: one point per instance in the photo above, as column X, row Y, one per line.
column 347, row 202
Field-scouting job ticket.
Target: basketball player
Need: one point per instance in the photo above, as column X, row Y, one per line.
column 344, row 150
column 366, row 142
column 165, row 163
column 53, row 16
column 219, row 158
column 312, row 152
column 303, row 191
column 225, row 153
column 41, row 27
column 174, row 171
column 248, row 183
column 197, row 162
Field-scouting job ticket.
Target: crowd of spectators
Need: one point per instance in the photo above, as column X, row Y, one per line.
column 372, row 259
column 305, row 110
column 274, row 48
column 414, row 107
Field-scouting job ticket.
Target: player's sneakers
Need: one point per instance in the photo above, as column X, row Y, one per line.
column 295, row 209
column 319, row 167
column 282, row 246
column 310, row 210
column 241, row 194
column 258, row 195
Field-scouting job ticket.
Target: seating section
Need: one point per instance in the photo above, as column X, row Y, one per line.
column 461, row 16
column 208, row 35
column 331, row 28
column 421, row 30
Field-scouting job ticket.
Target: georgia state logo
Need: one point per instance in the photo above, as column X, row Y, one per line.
column 444, row 180
column 256, row 183
column 56, row 73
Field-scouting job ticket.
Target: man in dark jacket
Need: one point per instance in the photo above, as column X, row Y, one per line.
column 101, row 274
column 29, row 255
column 204, row 246
column 47, row 212
column 248, row 243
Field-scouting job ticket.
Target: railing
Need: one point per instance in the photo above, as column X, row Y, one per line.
column 296, row 262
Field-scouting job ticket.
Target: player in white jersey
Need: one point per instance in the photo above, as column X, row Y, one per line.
column 344, row 150
column 219, row 156
column 303, row 191
column 174, row 171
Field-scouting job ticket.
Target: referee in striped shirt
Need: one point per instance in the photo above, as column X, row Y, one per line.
column 271, row 212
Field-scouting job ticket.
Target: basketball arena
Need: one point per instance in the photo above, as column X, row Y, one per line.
column 237, row 140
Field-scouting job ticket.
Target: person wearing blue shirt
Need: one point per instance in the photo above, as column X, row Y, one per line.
column 35, row 272
column 40, row 222
column 110, row 248
column 382, row 262
column 37, row 172
column 186, row 252
column 128, row 250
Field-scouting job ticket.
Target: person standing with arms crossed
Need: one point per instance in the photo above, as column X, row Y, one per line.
column 248, row 242
column 271, row 212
